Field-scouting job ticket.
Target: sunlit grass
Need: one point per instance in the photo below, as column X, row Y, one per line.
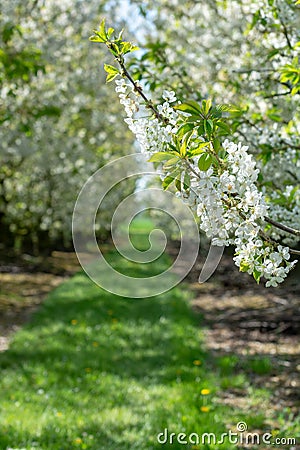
column 95, row 371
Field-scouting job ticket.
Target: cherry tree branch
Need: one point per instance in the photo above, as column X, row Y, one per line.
column 160, row 117
column 139, row 90
column 282, row 226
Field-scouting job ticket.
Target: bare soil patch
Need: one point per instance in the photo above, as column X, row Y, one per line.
column 25, row 283
column 259, row 325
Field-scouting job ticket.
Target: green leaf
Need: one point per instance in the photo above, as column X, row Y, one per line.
column 167, row 182
column 121, row 34
column 244, row 266
column 171, row 162
column 273, row 52
column 161, row 156
column 216, row 144
column 199, row 149
column 114, row 48
column 208, row 127
column 274, row 117
column 206, row 105
column 205, row 162
column 110, row 32
column 187, row 137
column 256, row 275
column 200, row 130
column 183, row 148
column 183, row 185
column 223, row 126
column 125, row 47
column 110, row 77
column 183, row 129
column 211, row 124
column 226, row 107
column 187, row 181
column 194, row 105
column 102, row 32
column 190, row 107
column 178, row 183
column 96, row 38
column 111, row 69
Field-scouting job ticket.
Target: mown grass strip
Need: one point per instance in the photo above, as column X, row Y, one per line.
column 99, row 372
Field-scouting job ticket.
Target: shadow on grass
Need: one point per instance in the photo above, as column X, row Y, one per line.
column 94, row 371
column 82, row 327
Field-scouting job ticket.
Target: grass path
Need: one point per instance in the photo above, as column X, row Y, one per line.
column 99, row 372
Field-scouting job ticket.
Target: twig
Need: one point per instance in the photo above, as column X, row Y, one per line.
column 138, row 89
column 279, row 94
column 251, row 70
column 282, row 227
column 285, row 32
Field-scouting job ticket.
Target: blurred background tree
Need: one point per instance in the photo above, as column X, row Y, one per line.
column 58, row 123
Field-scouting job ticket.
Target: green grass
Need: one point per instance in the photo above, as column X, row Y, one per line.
column 260, row 366
column 99, row 372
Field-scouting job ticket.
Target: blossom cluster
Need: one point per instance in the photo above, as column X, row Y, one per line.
column 230, row 208
column 152, row 135
column 230, row 200
column 227, row 201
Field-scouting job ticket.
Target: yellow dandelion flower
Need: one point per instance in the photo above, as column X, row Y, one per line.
column 74, row 322
column 197, row 362
column 59, row 414
column 274, row 432
column 77, row 441
column 204, row 408
column 88, row 369
column 95, row 344
column 205, row 391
